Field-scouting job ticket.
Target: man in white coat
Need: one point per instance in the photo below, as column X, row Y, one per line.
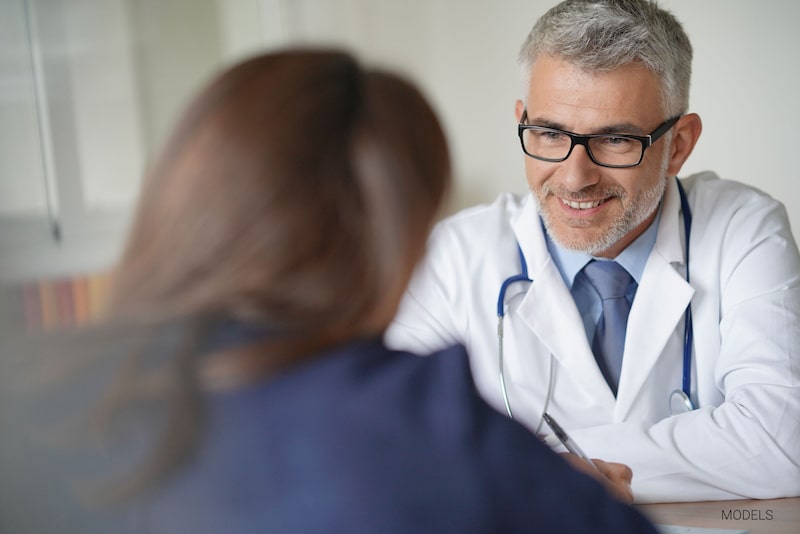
column 605, row 129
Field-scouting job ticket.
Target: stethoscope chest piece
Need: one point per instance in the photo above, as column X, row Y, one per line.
column 679, row 402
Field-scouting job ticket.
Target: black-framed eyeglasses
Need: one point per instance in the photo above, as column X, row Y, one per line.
column 618, row 151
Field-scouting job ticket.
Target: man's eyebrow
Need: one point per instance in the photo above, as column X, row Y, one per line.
column 620, row 128
column 538, row 121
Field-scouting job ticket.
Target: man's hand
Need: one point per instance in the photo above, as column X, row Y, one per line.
column 616, row 478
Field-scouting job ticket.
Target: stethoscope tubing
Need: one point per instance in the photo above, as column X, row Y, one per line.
column 521, row 277
column 688, row 328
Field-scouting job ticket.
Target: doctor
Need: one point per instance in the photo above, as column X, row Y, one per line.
column 690, row 374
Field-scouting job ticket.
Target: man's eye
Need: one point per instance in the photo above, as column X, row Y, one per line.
column 616, row 144
column 551, row 136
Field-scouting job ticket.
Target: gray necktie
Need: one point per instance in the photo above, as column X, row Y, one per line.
column 612, row 281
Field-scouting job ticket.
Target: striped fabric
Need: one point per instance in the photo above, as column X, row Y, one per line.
column 48, row 305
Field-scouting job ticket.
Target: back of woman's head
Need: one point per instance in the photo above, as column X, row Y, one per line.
column 296, row 192
column 296, row 195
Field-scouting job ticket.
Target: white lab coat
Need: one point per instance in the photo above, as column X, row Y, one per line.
column 742, row 442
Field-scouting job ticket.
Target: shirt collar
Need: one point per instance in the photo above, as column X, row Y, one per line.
column 633, row 258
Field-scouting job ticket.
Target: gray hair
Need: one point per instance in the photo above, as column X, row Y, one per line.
column 603, row 35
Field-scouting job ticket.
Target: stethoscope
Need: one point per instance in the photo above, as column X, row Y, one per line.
column 679, row 399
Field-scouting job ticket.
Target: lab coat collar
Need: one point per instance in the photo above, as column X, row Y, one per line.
column 659, row 306
column 669, row 241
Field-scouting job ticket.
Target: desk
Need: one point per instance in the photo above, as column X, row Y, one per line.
column 775, row 516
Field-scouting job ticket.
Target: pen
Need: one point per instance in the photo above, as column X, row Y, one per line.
column 564, row 438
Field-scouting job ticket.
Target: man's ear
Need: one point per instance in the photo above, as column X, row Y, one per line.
column 518, row 109
column 686, row 133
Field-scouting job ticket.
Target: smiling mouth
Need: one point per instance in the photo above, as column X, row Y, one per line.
column 582, row 205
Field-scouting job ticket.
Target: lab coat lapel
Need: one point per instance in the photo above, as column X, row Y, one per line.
column 549, row 310
column 659, row 306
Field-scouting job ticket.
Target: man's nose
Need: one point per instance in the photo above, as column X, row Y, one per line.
column 578, row 170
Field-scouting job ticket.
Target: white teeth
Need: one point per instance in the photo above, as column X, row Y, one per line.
column 581, row 205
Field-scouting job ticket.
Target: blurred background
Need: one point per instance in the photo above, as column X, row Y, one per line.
column 89, row 89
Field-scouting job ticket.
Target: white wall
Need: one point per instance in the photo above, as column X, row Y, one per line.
column 21, row 163
column 108, row 119
column 746, row 87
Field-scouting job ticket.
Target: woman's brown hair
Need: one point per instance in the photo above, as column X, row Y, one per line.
column 295, row 196
column 293, row 192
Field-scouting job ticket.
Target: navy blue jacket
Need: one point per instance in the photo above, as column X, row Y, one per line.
column 362, row 439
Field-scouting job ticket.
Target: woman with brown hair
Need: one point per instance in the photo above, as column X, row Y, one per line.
column 273, row 240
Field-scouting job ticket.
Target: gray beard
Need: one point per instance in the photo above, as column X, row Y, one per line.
column 634, row 215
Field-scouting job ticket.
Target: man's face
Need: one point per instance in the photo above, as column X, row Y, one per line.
column 585, row 206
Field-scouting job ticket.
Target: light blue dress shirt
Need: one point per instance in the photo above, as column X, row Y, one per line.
column 570, row 263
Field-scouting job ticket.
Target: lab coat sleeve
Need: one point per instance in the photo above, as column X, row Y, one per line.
column 432, row 314
column 747, row 446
